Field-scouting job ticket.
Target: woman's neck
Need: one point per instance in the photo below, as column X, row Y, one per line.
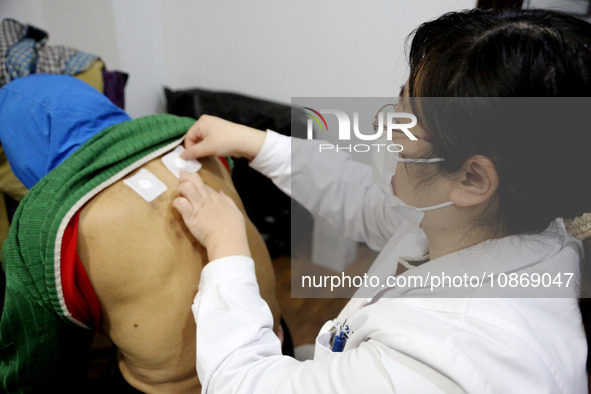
column 446, row 240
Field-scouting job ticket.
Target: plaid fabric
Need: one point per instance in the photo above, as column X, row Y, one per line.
column 23, row 52
column 39, row 339
column 53, row 59
column 21, row 59
column 79, row 62
column 11, row 32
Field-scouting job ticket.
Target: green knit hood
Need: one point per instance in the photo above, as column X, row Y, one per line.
column 31, row 254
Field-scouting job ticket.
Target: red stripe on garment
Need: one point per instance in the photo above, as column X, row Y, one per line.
column 80, row 298
column 225, row 163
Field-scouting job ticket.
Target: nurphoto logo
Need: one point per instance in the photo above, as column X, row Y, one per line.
column 384, row 123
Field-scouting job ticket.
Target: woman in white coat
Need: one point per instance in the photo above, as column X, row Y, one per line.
column 456, row 201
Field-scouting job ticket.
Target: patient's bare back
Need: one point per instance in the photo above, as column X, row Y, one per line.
column 145, row 266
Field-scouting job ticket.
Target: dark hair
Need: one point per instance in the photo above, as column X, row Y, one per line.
column 510, row 54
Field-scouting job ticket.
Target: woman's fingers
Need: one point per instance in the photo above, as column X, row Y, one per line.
column 190, row 188
column 194, row 135
column 184, row 207
column 193, row 188
column 212, row 136
column 199, row 149
column 213, row 218
column 198, row 140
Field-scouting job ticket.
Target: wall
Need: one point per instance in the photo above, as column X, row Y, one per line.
column 269, row 49
column 124, row 38
column 297, row 48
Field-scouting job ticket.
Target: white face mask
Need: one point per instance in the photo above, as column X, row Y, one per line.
column 384, row 165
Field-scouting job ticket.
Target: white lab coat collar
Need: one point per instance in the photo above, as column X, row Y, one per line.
column 519, row 254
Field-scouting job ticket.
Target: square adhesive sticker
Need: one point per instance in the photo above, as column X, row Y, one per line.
column 175, row 163
column 146, row 184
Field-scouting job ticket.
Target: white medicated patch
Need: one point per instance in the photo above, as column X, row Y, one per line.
column 175, row 163
column 146, row 184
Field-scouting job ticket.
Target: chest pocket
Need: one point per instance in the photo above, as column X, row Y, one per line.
column 323, row 345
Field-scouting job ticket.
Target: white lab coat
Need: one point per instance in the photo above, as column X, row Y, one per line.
column 400, row 343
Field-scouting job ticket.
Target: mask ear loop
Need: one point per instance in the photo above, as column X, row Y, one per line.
column 442, row 205
column 433, row 160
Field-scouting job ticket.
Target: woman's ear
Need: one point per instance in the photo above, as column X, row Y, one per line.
column 477, row 182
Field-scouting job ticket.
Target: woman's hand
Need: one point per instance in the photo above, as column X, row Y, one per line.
column 212, row 136
column 213, row 218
